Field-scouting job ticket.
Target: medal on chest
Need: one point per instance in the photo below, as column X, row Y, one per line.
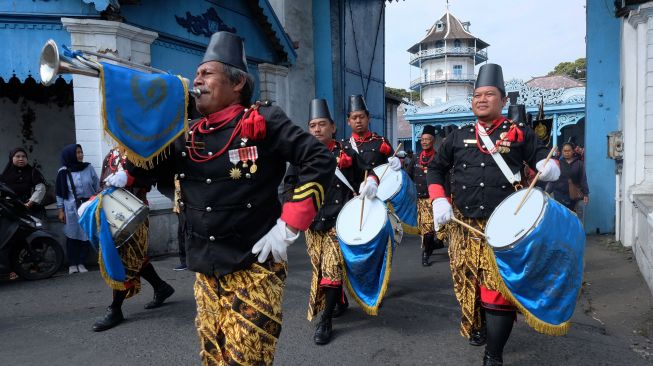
column 243, row 155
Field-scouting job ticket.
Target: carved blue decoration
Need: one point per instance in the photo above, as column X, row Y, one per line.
column 205, row 24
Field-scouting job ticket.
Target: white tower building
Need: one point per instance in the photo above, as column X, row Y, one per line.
column 446, row 57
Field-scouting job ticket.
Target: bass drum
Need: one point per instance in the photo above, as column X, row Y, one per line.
column 124, row 213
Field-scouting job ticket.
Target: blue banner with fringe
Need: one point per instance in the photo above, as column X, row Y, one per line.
column 94, row 223
column 142, row 112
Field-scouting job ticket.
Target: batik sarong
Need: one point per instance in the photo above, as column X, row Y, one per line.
column 239, row 315
column 470, row 260
column 425, row 219
column 133, row 255
column 326, row 260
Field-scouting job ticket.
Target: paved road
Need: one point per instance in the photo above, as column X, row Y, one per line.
column 49, row 323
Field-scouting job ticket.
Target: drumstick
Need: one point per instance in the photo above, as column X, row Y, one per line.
column 470, row 227
column 360, row 226
column 537, row 176
column 387, row 166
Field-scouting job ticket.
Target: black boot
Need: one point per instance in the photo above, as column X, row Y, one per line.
column 499, row 327
column 490, row 359
column 425, row 259
column 112, row 318
column 427, row 249
column 341, row 307
column 323, row 331
column 160, row 295
column 437, row 243
column 478, row 337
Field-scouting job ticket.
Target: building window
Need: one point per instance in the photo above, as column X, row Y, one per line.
column 457, row 71
column 456, row 43
column 439, row 26
column 439, row 44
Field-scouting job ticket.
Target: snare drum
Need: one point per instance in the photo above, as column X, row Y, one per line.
column 539, row 254
column 397, row 188
column 366, row 250
column 124, row 213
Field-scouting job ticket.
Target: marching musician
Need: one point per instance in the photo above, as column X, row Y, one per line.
column 133, row 253
column 237, row 233
column 326, row 292
column 478, row 185
column 417, row 171
column 374, row 149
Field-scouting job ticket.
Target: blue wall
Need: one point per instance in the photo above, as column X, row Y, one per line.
column 602, row 105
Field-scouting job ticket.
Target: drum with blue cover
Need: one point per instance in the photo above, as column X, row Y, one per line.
column 366, row 237
column 539, row 254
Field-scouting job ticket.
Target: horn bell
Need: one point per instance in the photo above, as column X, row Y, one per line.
column 52, row 63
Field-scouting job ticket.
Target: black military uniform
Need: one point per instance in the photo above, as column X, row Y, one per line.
column 250, row 171
column 373, row 148
column 478, row 185
column 417, row 172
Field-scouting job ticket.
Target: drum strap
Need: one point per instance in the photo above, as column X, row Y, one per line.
column 512, row 178
column 352, row 142
column 344, row 180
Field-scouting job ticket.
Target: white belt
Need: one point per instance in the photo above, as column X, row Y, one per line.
column 489, row 145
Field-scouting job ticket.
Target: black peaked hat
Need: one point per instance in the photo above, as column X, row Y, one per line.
column 357, row 103
column 429, row 130
column 491, row 75
column 227, row 48
column 319, row 109
column 517, row 113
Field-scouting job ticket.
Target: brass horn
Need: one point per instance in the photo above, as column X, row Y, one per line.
column 52, row 63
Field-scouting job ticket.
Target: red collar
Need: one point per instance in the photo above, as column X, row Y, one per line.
column 360, row 138
column 426, row 155
column 224, row 115
column 494, row 125
column 331, row 145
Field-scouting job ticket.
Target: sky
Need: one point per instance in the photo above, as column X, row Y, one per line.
column 527, row 37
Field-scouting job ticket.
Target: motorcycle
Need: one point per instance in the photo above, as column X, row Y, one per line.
column 25, row 247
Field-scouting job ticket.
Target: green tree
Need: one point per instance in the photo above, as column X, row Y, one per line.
column 402, row 93
column 576, row 69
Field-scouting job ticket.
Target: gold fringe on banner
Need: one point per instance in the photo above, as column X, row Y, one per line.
column 374, row 309
column 533, row 321
column 162, row 153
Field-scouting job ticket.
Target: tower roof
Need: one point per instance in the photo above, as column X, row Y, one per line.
column 451, row 28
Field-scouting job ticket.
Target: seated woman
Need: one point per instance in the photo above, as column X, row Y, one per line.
column 25, row 180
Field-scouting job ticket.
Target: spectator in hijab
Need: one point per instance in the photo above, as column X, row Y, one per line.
column 76, row 183
column 25, row 180
column 571, row 188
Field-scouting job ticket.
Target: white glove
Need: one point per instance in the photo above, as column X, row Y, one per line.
column 117, row 179
column 550, row 172
column 276, row 241
column 395, row 163
column 442, row 212
column 82, row 208
column 368, row 188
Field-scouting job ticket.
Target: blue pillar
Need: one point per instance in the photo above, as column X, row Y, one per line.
column 322, row 52
column 554, row 130
column 602, row 105
column 412, row 137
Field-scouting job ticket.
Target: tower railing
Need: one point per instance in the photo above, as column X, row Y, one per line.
column 449, row 51
column 437, row 78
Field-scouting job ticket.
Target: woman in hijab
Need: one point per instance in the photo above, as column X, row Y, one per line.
column 76, row 182
column 572, row 179
column 25, row 180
